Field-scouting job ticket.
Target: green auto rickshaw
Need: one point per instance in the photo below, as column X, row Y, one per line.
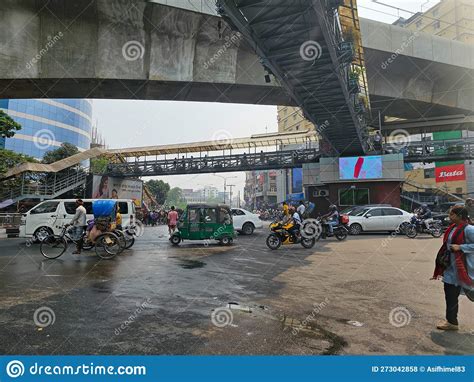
column 202, row 221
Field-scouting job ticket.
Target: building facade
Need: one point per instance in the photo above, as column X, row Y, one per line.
column 47, row 123
column 291, row 118
column 260, row 189
column 204, row 195
column 454, row 20
column 451, row 19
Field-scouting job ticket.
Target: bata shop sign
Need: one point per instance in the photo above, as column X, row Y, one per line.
column 450, row 173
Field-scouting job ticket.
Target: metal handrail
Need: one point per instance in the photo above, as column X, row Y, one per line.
column 10, row 219
column 45, row 190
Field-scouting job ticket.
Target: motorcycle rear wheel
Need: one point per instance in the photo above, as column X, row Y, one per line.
column 308, row 243
column 436, row 230
column 340, row 235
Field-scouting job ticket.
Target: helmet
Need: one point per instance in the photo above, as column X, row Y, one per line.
column 424, row 206
column 332, row 207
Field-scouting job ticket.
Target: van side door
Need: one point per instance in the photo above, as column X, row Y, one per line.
column 43, row 215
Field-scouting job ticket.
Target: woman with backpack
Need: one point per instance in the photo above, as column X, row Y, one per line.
column 455, row 263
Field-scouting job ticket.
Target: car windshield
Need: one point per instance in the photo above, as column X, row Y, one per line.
column 359, row 212
column 354, row 211
column 348, row 211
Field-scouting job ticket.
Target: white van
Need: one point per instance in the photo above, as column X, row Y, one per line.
column 50, row 216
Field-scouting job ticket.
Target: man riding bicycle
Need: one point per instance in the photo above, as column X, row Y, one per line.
column 79, row 223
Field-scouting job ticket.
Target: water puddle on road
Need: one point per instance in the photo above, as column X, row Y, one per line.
column 191, row 264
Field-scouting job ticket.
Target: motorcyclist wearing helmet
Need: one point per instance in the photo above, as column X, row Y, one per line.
column 424, row 215
column 332, row 218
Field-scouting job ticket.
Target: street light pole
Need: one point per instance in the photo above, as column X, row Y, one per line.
column 225, row 182
column 230, row 194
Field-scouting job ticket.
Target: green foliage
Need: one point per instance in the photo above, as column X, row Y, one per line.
column 99, row 165
column 158, row 189
column 175, row 198
column 8, row 127
column 10, row 159
column 64, row 151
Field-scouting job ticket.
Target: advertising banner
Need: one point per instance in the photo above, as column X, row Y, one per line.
column 106, row 187
column 369, row 167
column 450, row 173
column 297, row 177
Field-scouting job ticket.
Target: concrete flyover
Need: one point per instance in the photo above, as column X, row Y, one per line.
column 139, row 50
column 415, row 75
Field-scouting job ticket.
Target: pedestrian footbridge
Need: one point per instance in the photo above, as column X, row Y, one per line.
column 259, row 152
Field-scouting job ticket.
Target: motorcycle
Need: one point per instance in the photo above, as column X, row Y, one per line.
column 340, row 231
column 417, row 226
column 280, row 235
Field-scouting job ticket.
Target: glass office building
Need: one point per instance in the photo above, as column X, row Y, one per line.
column 46, row 123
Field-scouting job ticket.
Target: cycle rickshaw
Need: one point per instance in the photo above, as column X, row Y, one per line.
column 100, row 236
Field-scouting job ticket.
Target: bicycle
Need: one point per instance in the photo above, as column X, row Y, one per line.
column 126, row 236
column 107, row 245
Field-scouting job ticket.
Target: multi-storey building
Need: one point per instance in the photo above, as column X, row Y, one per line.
column 46, row 123
column 451, row 19
column 454, row 20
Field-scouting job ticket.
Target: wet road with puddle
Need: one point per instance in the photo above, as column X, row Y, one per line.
column 336, row 298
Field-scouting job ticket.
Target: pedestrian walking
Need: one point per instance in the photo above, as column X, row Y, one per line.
column 172, row 220
column 455, row 264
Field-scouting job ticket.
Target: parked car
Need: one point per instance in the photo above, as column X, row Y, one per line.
column 373, row 219
column 354, row 210
column 48, row 217
column 245, row 221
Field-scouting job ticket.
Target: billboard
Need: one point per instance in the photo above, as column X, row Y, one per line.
column 106, row 187
column 358, row 168
column 297, row 177
column 450, row 173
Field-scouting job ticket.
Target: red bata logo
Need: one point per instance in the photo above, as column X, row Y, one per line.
column 449, row 174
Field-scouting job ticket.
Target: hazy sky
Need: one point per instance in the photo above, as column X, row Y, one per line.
column 126, row 123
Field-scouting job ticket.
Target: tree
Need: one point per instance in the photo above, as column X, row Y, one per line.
column 158, row 189
column 99, row 165
column 64, row 151
column 8, row 126
column 10, row 159
column 176, row 198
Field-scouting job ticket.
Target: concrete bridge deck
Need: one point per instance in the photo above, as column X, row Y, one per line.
column 139, row 50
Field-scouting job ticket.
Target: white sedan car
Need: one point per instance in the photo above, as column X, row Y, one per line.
column 245, row 221
column 368, row 219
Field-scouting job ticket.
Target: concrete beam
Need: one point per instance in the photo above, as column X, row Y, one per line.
column 140, row 50
column 431, row 125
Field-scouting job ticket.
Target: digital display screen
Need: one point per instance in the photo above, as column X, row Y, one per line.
column 352, row 168
column 297, row 180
